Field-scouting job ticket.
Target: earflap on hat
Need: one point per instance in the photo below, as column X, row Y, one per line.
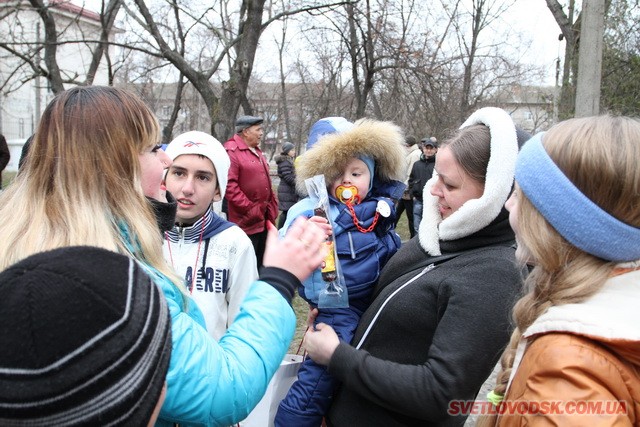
column 195, row 142
column 371, row 165
column 475, row 214
column 90, row 340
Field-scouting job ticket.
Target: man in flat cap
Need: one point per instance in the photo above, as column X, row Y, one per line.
column 251, row 201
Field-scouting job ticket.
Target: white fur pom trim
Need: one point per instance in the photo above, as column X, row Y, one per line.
column 476, row 214
column 431, row 218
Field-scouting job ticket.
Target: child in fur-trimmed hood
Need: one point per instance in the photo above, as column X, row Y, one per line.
column 369, row 155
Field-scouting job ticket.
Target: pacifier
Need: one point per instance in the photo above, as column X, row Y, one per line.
column 347, row 194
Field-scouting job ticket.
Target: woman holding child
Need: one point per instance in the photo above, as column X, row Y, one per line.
column 440, row 313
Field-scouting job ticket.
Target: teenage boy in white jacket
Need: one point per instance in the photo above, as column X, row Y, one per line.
column 218, row 251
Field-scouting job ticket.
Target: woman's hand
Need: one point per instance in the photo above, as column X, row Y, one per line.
column 320, row 341
column 301, row 251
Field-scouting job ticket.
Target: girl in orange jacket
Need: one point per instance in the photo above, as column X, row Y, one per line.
column 574, row 358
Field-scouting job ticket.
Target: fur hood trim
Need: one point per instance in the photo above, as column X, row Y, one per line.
column 475, row 214
column 383, row 141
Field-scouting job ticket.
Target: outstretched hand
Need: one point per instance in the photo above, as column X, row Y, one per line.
column 320, row 340
column 301, row 251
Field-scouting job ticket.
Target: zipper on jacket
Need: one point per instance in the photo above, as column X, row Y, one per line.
column 393, row 294
column 353, row 251
column 181, row 239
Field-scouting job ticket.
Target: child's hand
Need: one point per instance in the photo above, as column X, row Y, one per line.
column 323, row 223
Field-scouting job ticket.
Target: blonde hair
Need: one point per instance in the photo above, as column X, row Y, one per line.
column 81, row 181
column 598, row 155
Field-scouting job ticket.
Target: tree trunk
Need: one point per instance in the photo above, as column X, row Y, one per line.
column 355, row 62
column 476, row 26
column 570, row 33
column 53, row 74
column 107, row 19
column 199, row 80
column 283, row 88
column 223, row 118
column 167, row 132
column 590, row 62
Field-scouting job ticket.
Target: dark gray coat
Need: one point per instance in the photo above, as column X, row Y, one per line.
column 421, row 172
column 435, row 340
column 287, row 195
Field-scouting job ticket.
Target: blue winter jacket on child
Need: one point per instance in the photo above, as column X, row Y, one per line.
column 361, row 257
column 361, row 254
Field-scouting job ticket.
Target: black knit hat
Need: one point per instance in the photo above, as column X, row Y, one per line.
column 287, row 146
column 85, row 340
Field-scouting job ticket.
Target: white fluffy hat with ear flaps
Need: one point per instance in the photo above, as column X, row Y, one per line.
column 475, row 214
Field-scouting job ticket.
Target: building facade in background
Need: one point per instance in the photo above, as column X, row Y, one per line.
column 23, row 97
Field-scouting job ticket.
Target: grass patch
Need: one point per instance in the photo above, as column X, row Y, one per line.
column 403, row 228
column 301, row 308
column 7, row 177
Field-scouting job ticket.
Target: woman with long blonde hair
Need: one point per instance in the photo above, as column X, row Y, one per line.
column 93, row 177
column 574, row 358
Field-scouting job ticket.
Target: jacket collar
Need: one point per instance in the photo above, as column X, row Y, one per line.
column 610, row 317
column 211, row 222
column 242, row 145
column 611, row 314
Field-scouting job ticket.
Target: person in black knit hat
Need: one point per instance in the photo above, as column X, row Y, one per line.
column 287, row 194
column 86, row 338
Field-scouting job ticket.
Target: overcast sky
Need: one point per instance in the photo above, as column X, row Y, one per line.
column 535, row 19
column 532, row 18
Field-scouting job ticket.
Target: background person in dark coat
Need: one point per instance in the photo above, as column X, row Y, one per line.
column 421, row 173
column 5, row 155
column 287, row 195
column 405, row 203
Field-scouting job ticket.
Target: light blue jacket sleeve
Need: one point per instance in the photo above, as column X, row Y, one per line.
column 218, row 383
column 305, row 208
column 302, row 207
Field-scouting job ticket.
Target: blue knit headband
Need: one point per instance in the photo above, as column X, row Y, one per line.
column 571, row 213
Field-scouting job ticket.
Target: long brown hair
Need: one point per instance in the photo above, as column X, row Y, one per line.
column 81, row 182
column 471, row 147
